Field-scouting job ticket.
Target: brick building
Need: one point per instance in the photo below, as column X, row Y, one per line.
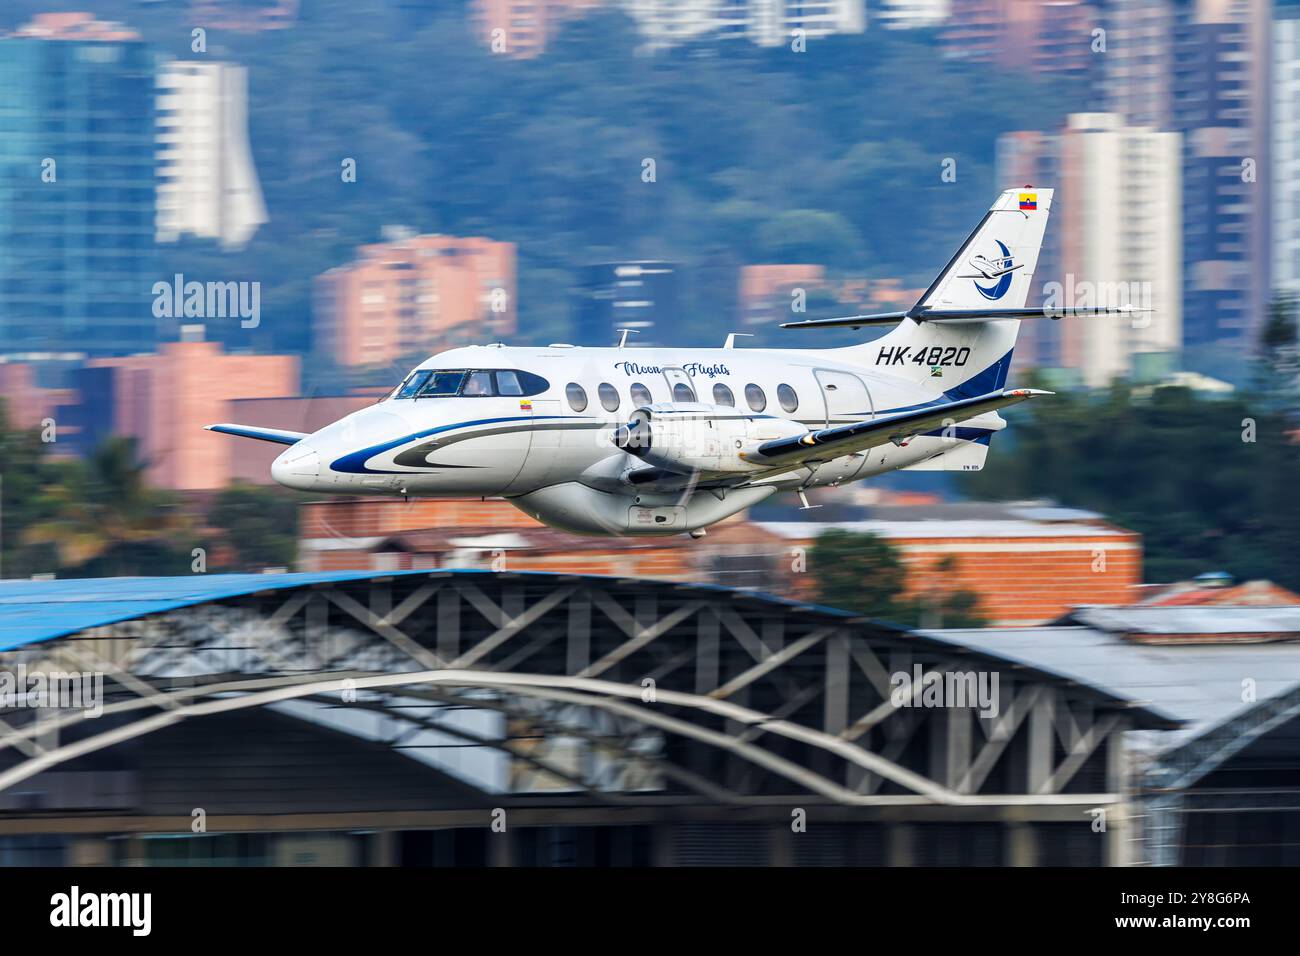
column 163, row 400
column 26, row 403
column 250, row 461
column 413, row 295
column 1027, row 564
column 387, row 534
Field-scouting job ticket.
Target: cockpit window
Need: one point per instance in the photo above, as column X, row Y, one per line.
column 442, row 383
column 478, row 384
column 470, row 383
column 508, row 383
column 412, row 385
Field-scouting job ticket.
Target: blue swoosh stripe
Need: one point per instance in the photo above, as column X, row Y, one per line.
column 355, row 462
column 990, row 380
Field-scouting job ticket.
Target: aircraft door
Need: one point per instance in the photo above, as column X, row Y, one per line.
column 678, row 379
column 845, row 396
column 543, row 448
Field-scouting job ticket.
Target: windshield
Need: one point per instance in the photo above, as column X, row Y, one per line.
column 413, row 384
column 470, row 383
column 442, row 382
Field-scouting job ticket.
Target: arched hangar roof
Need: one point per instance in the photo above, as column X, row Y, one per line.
column 33, row 611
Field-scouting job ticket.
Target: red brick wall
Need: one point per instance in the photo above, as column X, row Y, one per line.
column 1027, row 580
column 1027, row 585
column 368, row 517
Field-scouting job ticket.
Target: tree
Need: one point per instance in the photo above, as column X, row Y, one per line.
column 101, row 517
column 1279, row 354
column 1204, row 480
column 254, row 527
column 864, row 573
column 24, row 474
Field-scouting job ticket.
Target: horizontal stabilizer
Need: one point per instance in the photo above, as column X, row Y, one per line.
column 277, row 435
column 953, row 316
column 898, row 428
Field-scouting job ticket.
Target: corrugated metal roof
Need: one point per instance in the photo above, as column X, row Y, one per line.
column 1193, row 619
column 1197, row 683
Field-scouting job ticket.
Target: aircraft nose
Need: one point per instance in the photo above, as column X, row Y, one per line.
column 298, row 467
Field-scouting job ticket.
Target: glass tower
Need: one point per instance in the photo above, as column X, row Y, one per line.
column 77, row 158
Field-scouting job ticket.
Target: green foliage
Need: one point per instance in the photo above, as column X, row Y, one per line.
column 256, row 528
column 1174, row 466
column 99, row 517
column 1278, row 363
column 832, row 156
column 864, row 573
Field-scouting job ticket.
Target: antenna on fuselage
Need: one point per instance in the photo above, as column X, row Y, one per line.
column 624, row 333
column 731, row 339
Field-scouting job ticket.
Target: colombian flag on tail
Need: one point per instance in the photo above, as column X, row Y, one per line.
column 1028, row 202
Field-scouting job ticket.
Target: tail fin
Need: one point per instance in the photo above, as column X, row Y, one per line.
column 992, row 271
column 995, row 266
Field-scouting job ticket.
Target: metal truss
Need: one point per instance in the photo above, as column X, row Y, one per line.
column 1168, row 784
column 1181, row 767
column 606, row 686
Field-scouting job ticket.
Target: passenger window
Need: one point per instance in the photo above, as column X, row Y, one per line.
column 682, row 393
column 641, row 395
column 412, row 386
column 786, row 396
column 479, row 384
column 754, row 395
column 608, row 396
column 577, row 396
column 508, row 384
column 722, row 396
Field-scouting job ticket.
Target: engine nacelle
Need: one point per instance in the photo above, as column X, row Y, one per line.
column 688, row 437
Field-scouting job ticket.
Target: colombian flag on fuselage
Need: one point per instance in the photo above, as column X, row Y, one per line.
column 1028, row 202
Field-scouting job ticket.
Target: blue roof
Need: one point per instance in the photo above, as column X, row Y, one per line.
column 42, row 610
column 32, row 611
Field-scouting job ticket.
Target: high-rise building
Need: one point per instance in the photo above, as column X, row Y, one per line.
column 1138, row 68
column 1286, row 149
column 207, row 184
column 1051, row 37
column 163, row 400
column 1220, row 103
column 1117, row 215
column 76, row 190
column 645, row 297
column 1202, row 68
column 767, row 292
column 249, row 16
column 665, row 23
column 522, row 28
column 909, row 14
column 412, row 295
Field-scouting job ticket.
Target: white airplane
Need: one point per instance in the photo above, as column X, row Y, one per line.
column 626, row 441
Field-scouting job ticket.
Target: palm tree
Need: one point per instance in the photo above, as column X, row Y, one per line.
column 104, row 507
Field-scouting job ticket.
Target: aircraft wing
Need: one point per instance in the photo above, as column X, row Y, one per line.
column 277, row 435
column 898, row 428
